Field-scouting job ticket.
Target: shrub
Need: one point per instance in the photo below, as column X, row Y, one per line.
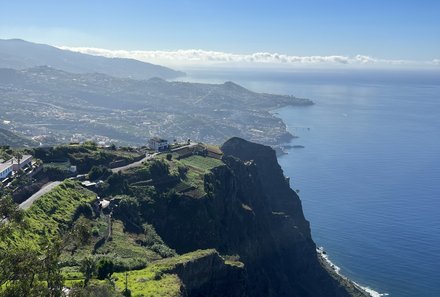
column 105, row 268
column 99, row 172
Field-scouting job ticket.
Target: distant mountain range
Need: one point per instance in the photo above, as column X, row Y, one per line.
column 21, row 54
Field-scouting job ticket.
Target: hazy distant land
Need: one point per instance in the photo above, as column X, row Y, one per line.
column 54, row 106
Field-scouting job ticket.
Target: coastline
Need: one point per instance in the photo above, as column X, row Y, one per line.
column 352, row 287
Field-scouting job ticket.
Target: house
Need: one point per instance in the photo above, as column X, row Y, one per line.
column 12, row 165
column 158, row 144
column 5, row 170
column 24, row 161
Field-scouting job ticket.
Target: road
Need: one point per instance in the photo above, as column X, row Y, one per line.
column 45, row 189
column 134, row 164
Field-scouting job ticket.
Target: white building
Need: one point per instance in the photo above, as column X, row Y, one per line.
column 5, row 170
column 11, row 165
column 158, row 144
column 25, row 160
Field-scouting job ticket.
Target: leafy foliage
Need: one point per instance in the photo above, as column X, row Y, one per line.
column 104, row 268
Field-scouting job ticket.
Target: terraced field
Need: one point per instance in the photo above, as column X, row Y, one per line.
column 201, row 163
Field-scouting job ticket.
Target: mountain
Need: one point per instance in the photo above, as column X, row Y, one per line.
column 20, row 54
column 48, row 101
column 14, row 140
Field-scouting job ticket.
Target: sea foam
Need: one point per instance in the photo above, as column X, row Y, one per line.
column 337, row 269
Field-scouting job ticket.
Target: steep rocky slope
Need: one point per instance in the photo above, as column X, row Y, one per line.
column 250, row 211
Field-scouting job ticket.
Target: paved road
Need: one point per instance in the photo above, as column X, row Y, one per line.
column 45, row 189
column 148, row 157
column 134, row 164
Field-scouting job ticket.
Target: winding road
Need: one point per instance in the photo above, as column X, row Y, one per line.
column 134, row 164
column 44, row 190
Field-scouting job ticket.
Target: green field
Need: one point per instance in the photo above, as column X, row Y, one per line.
column 201, row 163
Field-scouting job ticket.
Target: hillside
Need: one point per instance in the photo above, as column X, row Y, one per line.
column 194, row 222
column 45, row 102
column 11, row 139
column 21, row 54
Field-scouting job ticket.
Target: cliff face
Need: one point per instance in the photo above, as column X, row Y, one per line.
column 208, row 275
column 250, row 211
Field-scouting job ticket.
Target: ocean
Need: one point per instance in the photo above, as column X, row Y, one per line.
column 369, row 173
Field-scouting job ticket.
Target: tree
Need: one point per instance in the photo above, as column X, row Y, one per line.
column 169, row 157
column 82, row 231
column 51, row 270
column 91, row 145
column 104, row 268
column 182, row 170
column 99, row 172
column 18, row 155
column 117, row 184
column 27, row 268
column 94, row 290
column 10, row 216
column 159, row 168
column 88, row 268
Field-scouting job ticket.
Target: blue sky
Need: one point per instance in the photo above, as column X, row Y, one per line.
column 387, row 29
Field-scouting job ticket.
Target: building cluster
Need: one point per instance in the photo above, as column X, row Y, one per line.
column 14, row 165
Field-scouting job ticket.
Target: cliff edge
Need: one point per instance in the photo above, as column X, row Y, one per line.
column 251, row 212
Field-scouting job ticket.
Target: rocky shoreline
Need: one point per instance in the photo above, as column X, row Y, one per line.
column 352, row 287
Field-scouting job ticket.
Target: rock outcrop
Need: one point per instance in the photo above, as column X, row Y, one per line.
column 207, row 274
column 250, row 211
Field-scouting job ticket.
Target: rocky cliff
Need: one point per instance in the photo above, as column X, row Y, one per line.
column 249, row 211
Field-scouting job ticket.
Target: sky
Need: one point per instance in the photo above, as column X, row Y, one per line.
column 287, row 33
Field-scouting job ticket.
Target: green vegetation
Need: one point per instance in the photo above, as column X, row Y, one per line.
column 157, row 279
column 54, row 212
column 97, row 247
column 28, row 268
column 86, row 156
column 123, row 249
column 201, row 163
column 11, row 139
column 99, row 172
column 142, row 283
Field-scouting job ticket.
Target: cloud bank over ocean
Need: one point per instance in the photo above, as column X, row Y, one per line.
column 199, row 57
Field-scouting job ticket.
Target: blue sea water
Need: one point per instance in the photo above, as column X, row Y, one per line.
column 369, row 175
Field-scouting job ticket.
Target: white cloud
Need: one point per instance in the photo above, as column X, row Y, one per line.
column 198, row 57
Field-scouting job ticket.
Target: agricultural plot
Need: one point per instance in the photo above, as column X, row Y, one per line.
column 201, row 163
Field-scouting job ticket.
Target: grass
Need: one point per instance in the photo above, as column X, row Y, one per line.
column 123, row 248
column 156, row 280
column 142, row 283
column 53, row 212
column 201, row 163
column 72, row 276
column 193, row 184
column 59, row 165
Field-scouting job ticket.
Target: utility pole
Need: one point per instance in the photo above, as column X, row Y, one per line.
column 126, row 282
